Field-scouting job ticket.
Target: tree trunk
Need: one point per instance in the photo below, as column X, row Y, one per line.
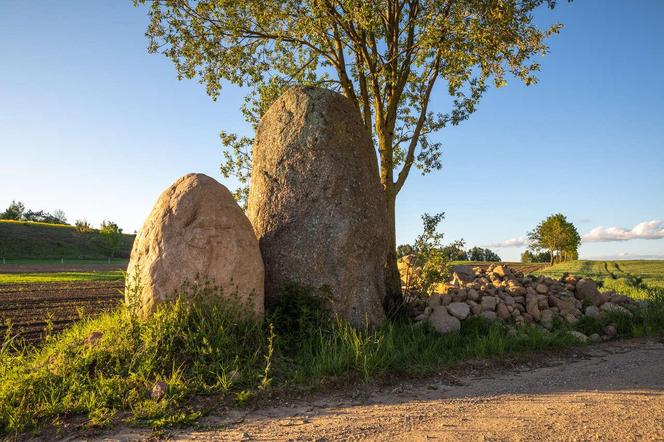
column 393, row 297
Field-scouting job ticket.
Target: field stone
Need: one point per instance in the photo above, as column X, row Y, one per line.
column 546, row 319
column 488, row 314
column 541, row 289
column 459, row 310
column 489, row 303
column 532, row 308
column 579, row 336
column 501, row 271
column 443, row 322
column 316, row 203
column 592, row 311
column 196, row 232
column 611, row 307
column 586, row 290
column 502, row 312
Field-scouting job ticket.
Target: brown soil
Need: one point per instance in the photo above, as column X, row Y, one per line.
column 528, row 267
column 612, row 391
column 30, row 306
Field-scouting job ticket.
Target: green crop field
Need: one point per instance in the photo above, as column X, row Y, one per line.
column 638, row 279
column 30, row 240
column 22, row 278
column 651, row 272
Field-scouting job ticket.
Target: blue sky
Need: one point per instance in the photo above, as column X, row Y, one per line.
column 93, row 125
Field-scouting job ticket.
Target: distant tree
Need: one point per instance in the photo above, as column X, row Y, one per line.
column 490, row 255
column 59, row 216
column 14, row 211
column 112, row 234
column 529, row 256
column 455, row 251
column 404, row 250
column 39, row 216
column 83, row 226
column 481, row 254
column 36, row 216
column 557, row 236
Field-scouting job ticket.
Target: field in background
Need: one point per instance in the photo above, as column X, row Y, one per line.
column 33, row 308
column 30, row 240
column 650, row 273
column 36, row 295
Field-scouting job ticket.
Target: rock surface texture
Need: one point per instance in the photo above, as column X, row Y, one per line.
column 500, row 292
column 196, row 232
column 316, row 204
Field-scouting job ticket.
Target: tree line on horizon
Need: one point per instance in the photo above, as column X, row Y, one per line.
column 110, row 231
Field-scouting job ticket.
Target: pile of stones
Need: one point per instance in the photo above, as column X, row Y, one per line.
column 501, row 292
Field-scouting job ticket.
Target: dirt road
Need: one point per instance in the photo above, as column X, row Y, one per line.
column 613, row 391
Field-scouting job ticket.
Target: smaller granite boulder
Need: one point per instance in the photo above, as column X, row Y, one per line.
column 195, row 233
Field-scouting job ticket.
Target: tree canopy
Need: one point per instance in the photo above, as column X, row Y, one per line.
column 388, row 57
column 482, row 254
column 557, row 236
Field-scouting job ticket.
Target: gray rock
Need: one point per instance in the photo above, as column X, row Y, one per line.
column 532, row 308
column 541, row 288
column 443, row 322
column 459, row 310
column 502, row 312
column 489, row 303
column 592, row 311
column 579, row 336
column 488, row 314
column 586, row 290
column 610, row 307
column 595, row 338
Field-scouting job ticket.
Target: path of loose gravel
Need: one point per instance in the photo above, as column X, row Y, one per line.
column 613, row 391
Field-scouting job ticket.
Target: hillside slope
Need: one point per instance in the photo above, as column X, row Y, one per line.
column 27, row 240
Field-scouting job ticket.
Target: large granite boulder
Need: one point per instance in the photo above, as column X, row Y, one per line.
column 196, row 232
column 316, row 203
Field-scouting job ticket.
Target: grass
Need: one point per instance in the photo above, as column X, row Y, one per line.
column 27, row 240
column 104, row 369
column 17, row 278
column 61, row 261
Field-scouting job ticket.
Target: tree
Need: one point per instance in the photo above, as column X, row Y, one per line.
column 528, row 256
column 112, row 234
column 14, row 211
column 556, row 235
column 388, row 57
column 404, row 250
column 59, row 216
column 454, row 251
column 83, row 226
column 480, row 254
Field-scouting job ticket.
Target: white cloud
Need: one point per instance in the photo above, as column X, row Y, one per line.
column 514, row 242
column 645, row 230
